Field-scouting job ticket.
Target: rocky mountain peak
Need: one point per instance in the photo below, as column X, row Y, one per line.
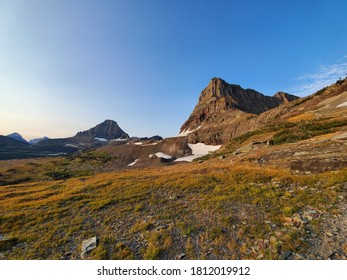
column 220, row 97
column 108, row 129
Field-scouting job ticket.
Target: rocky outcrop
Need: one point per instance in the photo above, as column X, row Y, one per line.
column 285, row 97
column 226, row 110
column 108, row 130
column 219, row 97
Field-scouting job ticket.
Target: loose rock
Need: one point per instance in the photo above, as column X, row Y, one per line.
column 88, row 245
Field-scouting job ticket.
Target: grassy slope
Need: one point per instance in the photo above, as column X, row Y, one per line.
column 210, row 210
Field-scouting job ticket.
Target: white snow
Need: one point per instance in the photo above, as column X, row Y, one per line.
column 149, row 144
column 119, row 139
column 199, row 150
column 71, row 145
column 188, row 131
column 187, row 158
column 342, row 104
column 100, row 139
column 131, row 164
column 57, row 154
column 138, row 143
column 162, row 155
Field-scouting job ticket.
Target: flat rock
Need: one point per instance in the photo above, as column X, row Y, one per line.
column 88, row 245
column 180, row 256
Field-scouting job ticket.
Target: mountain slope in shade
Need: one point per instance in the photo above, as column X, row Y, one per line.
column 17, row 137
column 10, row 148
column 108, row 130
column 37, row 140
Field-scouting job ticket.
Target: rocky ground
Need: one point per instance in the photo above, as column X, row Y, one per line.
column 331, row 241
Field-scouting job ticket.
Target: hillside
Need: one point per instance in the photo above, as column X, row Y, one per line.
column 210, row 210
column 276, row 189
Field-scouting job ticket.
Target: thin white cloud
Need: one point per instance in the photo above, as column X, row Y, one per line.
column 326, row 75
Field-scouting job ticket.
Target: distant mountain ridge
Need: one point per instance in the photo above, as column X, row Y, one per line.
column 17, row 137
column 37, row 140
column 15, row 146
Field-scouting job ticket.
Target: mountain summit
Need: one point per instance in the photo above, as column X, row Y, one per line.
column 108, row 130
column 220, row 97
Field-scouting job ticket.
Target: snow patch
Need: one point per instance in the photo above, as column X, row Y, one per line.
column 138, row 143
column 133, row 163
column 188, row 131
column 71, row 145
column 101, row 139
column 149, row 144
column 342, row 105
column 162, row 155
column 57, row 154
column 119, row 139
column 199, row 150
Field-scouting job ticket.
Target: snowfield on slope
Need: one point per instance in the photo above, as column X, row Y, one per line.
column 133, row 163
column 199, row 150
column 160, row 155
column 342, row 104
column 188, row 131
column 101, row 139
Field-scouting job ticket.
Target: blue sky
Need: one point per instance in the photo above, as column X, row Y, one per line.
column 66, row 66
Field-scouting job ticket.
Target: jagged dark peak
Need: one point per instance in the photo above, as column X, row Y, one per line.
column 108, row 130
column 233, row 96
column 220, row 97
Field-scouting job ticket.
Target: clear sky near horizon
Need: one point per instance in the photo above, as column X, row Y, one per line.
column 66, row 66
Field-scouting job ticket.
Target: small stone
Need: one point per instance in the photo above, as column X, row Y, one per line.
column 260, row 257
column 297, row 220
column 161, row 227
column 66, row 256
column 88, row 245
column 286, row 255
column 180, row 256
column 299, row 257
column 329, row 234
column 309, row 218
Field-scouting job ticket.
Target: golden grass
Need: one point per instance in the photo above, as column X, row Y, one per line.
column 302, row 117
column 208, row 210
